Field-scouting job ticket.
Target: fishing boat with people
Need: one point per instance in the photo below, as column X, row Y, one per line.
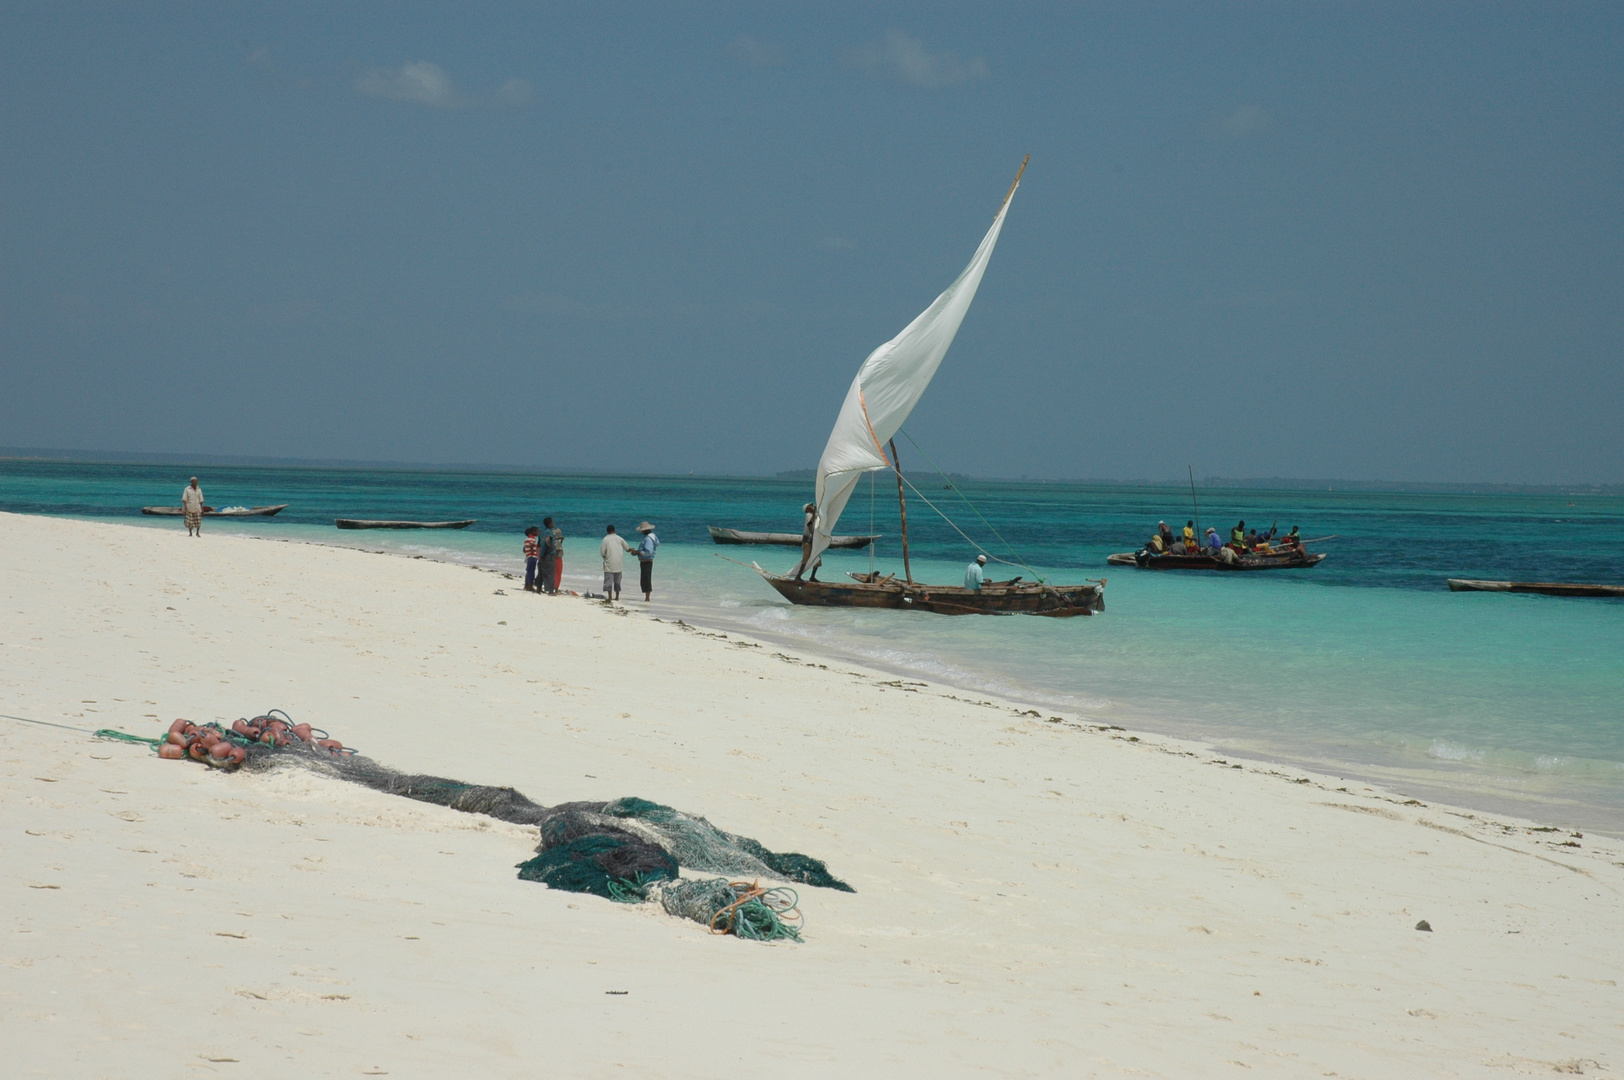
column 1283, row 559
column 887, row 387
column 1198, row 550
column 781, row 539
column 224, row 511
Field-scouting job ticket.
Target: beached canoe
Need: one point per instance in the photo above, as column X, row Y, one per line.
column 358, row 523
column 741, row 536
column 225, row 511
column 1546, row 588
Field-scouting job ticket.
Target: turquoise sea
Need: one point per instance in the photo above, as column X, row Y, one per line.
column 1366, row 667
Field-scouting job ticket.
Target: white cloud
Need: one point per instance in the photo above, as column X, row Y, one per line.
column 756, row 53
column 906, row 59
column 1246, row 120
column 514, row 92
column 422, row 82
column 425, row 83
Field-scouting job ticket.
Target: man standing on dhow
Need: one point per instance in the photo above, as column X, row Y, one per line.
column 811, row 512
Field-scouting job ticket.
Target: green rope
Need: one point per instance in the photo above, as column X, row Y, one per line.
column 966, row 500
column 759, row 920
column 109, row 733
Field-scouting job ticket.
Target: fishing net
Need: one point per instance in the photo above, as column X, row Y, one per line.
column 629, row 850
column 734, row 907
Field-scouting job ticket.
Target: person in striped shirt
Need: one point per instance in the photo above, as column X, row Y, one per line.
column 532, row 556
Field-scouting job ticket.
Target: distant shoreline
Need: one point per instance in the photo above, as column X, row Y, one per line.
column 1274, row 483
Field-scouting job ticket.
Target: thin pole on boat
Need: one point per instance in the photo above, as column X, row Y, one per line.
column 871, row 542
column 902, row 506
column 1193, row 502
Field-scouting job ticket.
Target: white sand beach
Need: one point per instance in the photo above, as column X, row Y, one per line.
column 1035, row 895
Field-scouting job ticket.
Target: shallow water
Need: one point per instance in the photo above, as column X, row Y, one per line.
column 1365, row 667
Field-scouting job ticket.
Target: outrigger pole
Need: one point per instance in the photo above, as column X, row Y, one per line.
column 902, row 504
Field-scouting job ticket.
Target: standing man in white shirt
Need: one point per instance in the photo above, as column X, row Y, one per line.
column 613, row 551
column 191, row 502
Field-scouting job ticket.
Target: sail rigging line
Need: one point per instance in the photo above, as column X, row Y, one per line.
column 966, row 500
column 990, row 556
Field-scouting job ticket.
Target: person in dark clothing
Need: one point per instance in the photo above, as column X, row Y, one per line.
column 552, row 557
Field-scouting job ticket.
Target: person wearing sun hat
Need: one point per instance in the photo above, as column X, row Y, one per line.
column 645, row 559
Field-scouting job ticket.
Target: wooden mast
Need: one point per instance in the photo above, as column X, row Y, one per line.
column 902, row 505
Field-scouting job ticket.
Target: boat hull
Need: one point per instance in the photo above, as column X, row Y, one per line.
column 1145, row 561
column 359, row 523
column 1544, row 588
column 742, row 536
column 1055, row 601
column 252, row 511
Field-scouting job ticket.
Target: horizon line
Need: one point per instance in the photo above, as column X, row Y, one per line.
column 122, row 457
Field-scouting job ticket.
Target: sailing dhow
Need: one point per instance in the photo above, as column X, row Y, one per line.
column 884, row 393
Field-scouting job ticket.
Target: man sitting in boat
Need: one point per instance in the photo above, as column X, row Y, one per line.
column 1214, row 545
column 1237, row 536
column 1292, row 541
column 974, row 575
column 1166, row 534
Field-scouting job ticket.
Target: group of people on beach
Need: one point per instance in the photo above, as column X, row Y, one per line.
column 1241, row 542
column 544, row 559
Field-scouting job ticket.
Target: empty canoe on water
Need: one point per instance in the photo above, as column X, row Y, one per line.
column 226, row 511
column 1547, row 588
column 358, row 523
column 740, row 536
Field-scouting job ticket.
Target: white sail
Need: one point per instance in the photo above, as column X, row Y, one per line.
column 889, row 385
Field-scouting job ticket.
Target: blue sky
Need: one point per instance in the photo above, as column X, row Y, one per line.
column 1364, row 241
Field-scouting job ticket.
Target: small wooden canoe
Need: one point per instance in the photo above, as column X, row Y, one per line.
column 229, row 511
column 741, row 536
column 359, row 523
column 1546, row 588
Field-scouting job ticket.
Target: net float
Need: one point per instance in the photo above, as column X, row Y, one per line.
column 198, row 751
column 238, row 755
column 175, row 738
column 303, row 731
column 220, row 749
column 179, row 725
column 331, row 744
column 172, row 752
column 243, row 728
